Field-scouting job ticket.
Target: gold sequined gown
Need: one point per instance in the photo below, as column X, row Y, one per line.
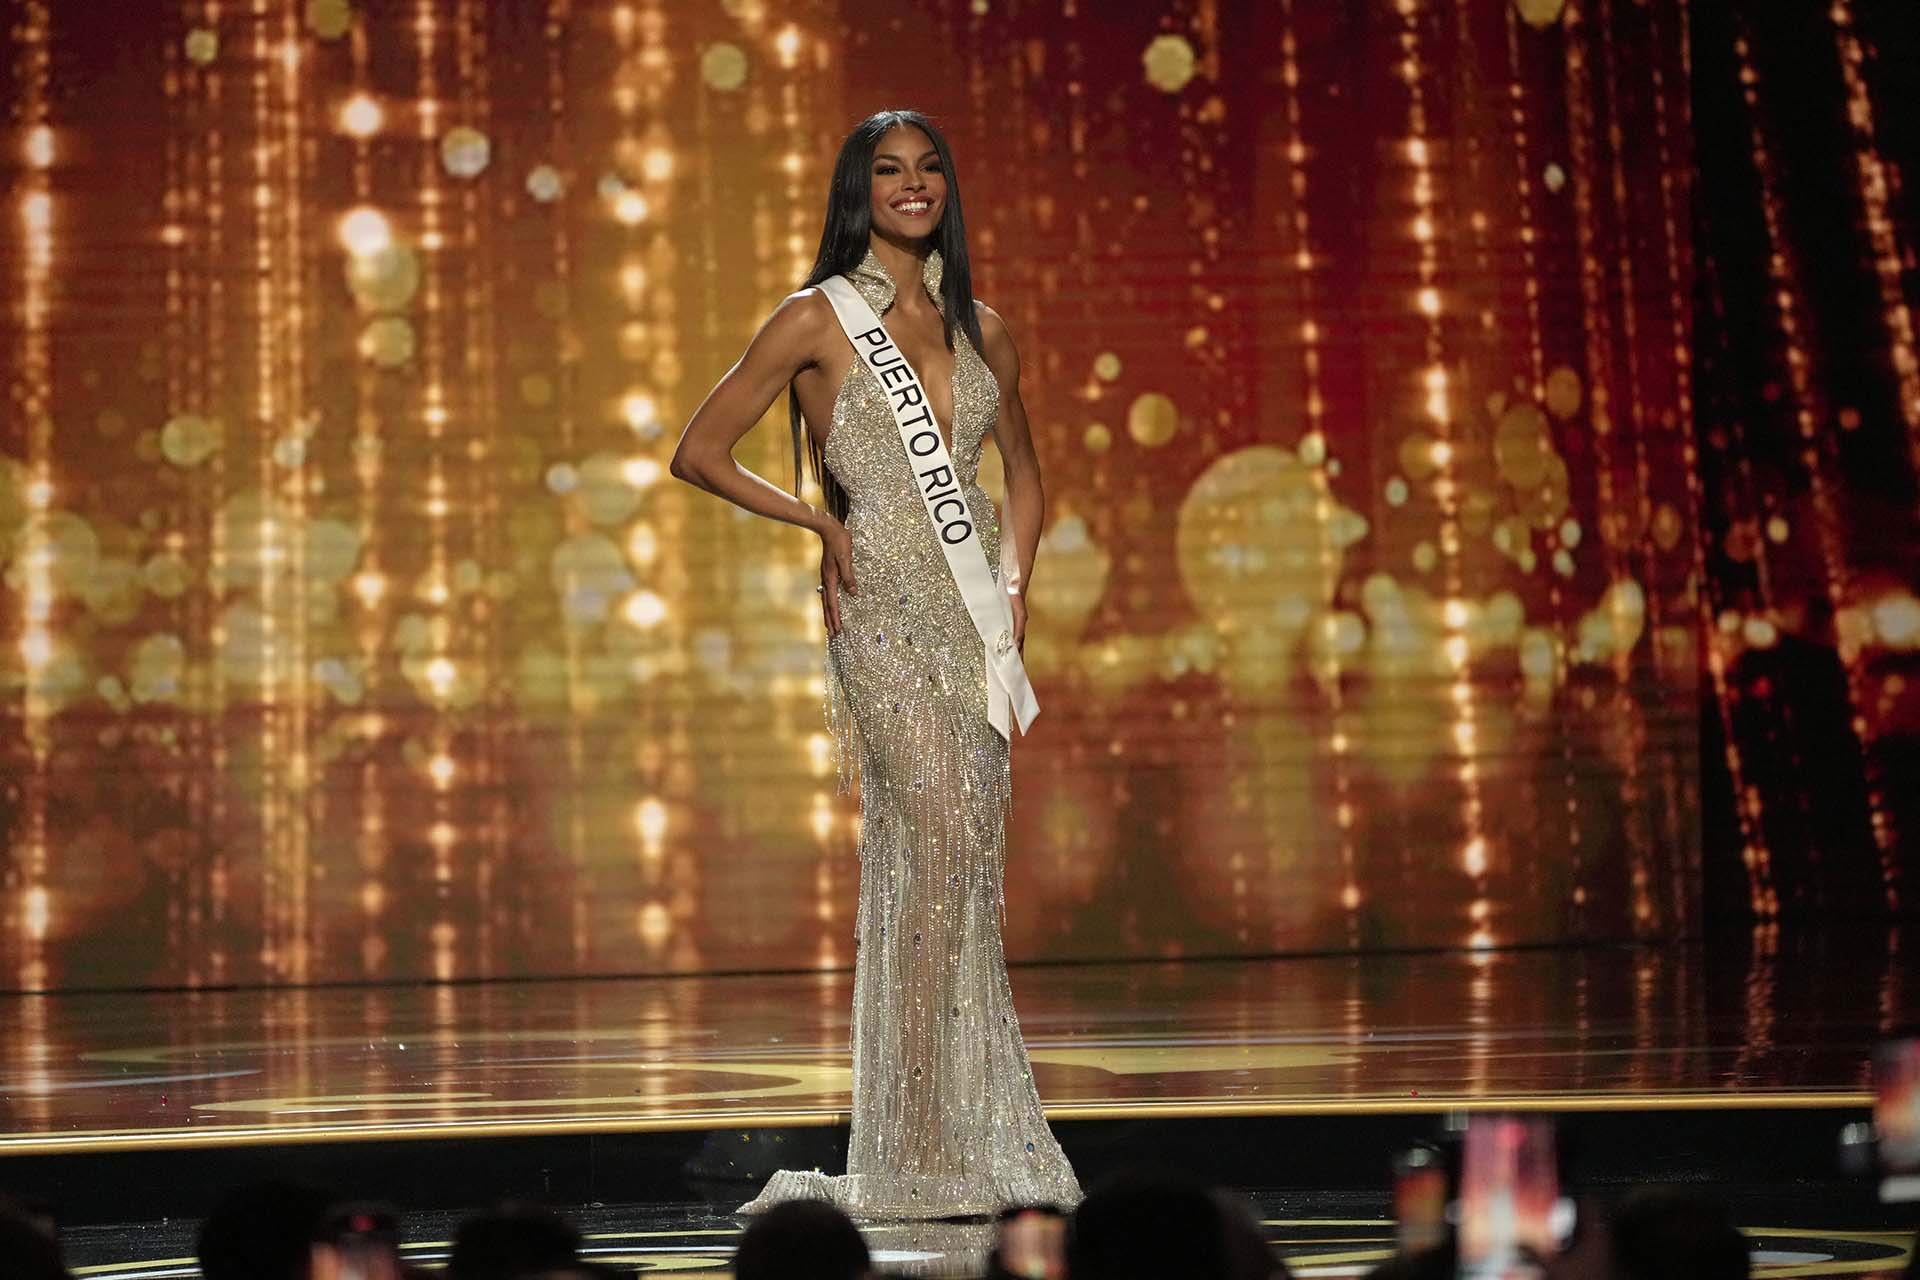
column 946, row 1120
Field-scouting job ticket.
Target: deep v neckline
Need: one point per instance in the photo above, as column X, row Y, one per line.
column 872, row 282
column 947, row 435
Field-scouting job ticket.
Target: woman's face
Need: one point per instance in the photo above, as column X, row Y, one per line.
column 909, row 186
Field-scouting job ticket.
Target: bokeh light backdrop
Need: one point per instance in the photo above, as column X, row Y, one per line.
column 354, row 629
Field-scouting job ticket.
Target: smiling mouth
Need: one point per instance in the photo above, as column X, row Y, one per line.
column 913, row 208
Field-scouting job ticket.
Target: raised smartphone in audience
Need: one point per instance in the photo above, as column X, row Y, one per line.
column 1422, row 1186
column 1509, row 1208
column 1896, row 1118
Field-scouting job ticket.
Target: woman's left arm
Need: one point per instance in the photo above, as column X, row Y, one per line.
column 1025, row 510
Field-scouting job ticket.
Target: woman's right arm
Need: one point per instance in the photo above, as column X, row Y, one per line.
column 788, row 342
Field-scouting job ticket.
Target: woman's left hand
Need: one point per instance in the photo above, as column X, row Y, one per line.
column 1019, row 605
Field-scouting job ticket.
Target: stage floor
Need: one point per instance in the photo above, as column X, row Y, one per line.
column 1570, row 1030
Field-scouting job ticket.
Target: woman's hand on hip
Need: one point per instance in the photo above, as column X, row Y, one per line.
column 836, row 571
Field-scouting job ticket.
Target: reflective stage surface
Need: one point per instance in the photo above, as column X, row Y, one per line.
column 1604, row 1027
column 647, row 1108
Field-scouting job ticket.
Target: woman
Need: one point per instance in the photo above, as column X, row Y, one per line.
column 946, row 1120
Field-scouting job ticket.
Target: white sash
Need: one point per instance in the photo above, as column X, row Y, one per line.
column 940, row 490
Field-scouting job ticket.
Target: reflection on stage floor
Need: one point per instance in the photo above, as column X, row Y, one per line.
column 1566, row 1029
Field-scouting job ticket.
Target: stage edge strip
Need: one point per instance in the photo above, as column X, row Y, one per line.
column 104, row 1141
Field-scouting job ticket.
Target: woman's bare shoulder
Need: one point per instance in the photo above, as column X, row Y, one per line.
column 804, row 308
column 800, row 325
column 996, row 341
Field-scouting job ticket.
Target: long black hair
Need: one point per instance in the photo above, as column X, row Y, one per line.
column 843, row 244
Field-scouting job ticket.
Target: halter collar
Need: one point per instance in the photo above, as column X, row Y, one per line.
column 873, row 283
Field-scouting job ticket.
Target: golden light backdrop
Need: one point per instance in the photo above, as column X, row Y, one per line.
column 356, row 631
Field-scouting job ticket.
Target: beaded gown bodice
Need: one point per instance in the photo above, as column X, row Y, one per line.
column 946, row 1119
column 863, row 449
